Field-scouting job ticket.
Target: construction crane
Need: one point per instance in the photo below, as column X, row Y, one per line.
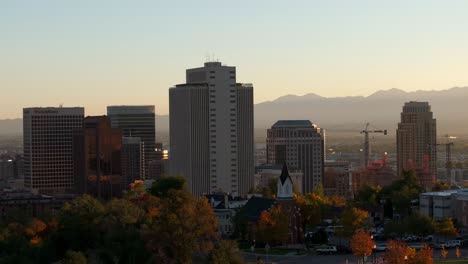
column 366, row 132
column 448, row 157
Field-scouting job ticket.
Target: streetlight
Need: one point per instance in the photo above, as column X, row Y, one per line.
column 267, row 248
column 374, row 258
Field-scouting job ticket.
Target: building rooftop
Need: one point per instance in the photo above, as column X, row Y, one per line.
column 463, row 191
column 292, row 123
column 130, row 109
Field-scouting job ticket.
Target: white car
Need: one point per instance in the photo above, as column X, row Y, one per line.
column 381, row 247
column 327, row 250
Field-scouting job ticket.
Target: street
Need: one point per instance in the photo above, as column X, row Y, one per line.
column 346, row 258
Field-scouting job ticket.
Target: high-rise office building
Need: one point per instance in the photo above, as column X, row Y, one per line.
column 48, row 152
column 417, row 139
column 211, row 131
column 299, row 144
column 97, row 158
column 133, row 160
column 136, row 121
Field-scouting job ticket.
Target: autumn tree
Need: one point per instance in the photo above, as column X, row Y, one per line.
column 398, row 252
column 313, row 208
column 424, row 256
column 272, row 227
column 73, row 257
column 440, row 186
column 362, row 244
column 225, row 252
column 353, row 219
column 445, row 227
column 184, row 226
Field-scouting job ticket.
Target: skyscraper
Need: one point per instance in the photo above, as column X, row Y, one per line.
column 48, row 152
column 416, row 140
column 133, row 160
column 211, row 131
column 299, row 144
column 136, row 121
column 97, row 158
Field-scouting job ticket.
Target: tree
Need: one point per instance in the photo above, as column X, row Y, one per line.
column 353, row 219
column 240, row 223
column 313, row 208
column 424, row 256
column 445, row 227
column 79, row 224
column 272, row 227
column 443, row 252
column 440, row 186
column 225, row 252
column 402, row 191
column 419, row 224
column 368, row 196
column 362, row 244
column 398, row 252
column 74, row 257
column 161, row 187
column 184, row 226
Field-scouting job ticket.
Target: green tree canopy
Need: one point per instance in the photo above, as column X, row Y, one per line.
column 161, row 187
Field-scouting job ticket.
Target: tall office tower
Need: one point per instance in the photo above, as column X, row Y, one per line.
column 133, row 160
column 211, row 131
column 136, row 121
column 48, row 152
column 416, row 138
column 97, row 158
column 299, row 144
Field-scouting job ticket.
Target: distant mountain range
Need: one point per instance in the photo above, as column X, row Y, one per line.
column 344, row 114
column 382, row 109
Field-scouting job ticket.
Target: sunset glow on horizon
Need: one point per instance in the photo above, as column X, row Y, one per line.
column 94, row 54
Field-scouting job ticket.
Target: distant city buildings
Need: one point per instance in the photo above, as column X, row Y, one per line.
column 377, row 173
column 133, row 160
column 136, row 121
column 337, row 179
column 97, row 158
column 48, row 148
column 211, row 131
column 300, row 144
column 417, row 142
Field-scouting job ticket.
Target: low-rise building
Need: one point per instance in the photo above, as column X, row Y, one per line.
column 225, row 208
column 444, row 204
column 337, row 179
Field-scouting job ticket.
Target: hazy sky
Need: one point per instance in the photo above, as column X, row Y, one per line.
column 96, row 53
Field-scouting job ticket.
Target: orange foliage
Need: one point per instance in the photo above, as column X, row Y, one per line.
column 362, row 243
column 424, row 256
column 35, row 240
column 397, row 252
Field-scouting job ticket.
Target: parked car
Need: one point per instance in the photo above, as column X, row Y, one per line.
column 381, row 247
column 452, row 243
column 327, row 250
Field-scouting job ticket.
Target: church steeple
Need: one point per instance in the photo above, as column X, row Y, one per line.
column 285, row 184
